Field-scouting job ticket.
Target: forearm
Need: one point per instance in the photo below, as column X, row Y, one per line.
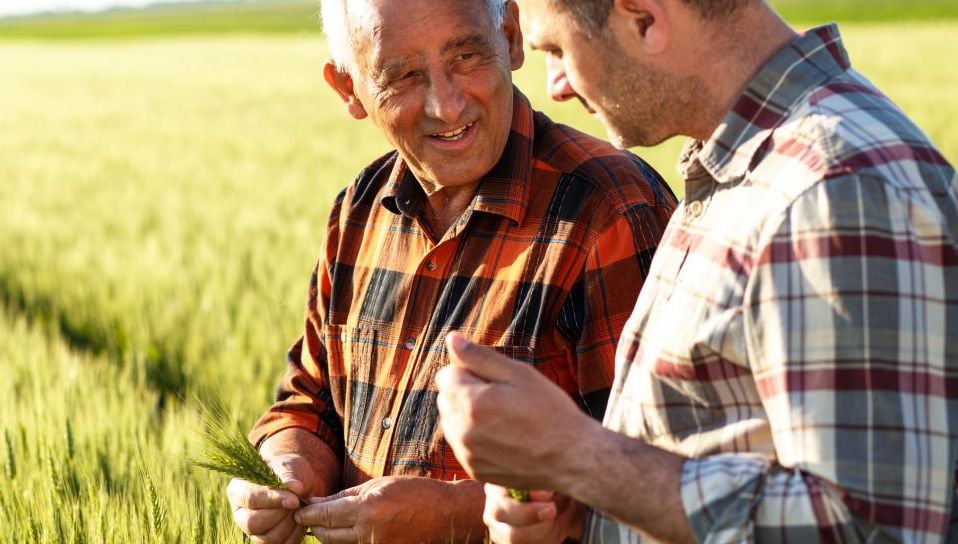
column 327, row 467
column 637, row 484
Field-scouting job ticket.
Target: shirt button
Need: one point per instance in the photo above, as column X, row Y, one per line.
column 387, row 422
column 695, row 208
column 431, row 266
column 343, row 337
column 411, row 343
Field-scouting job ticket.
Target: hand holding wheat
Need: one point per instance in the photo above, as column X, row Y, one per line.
column 262, row 501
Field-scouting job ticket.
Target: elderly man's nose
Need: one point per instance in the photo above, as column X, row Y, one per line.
column 559, row 87
column 444, row 100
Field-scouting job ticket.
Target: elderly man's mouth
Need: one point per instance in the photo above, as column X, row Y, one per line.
column 453, row 135
column 456, row 139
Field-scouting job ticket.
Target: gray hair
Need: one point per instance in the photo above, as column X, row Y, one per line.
column 336, row 27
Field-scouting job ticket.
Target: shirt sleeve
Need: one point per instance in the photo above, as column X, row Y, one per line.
column 851, row 320
column 600, row 303
column 303, row 399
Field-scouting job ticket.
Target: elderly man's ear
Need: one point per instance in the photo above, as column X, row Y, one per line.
column 341, row 82
column 513, row 34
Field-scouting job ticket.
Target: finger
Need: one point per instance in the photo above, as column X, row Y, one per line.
column 520, row 514
column 538, row 495
column 350, row 535
column 485, row 363
column 330, row 514
column 258, row 522
column 243, row 494
column 297, row 536
column 291, row 469
column 539, row 532
column 281, row 531
column 452, row 377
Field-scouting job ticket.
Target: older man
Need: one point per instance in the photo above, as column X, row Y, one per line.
column 487, row 218
column 790, row 372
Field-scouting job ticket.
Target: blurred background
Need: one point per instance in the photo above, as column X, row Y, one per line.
column 165, row 174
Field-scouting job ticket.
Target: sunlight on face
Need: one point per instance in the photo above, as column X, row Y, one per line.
column 636, row 102
column 435, row 77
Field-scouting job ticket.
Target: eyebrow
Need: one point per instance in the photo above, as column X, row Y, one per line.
column 472, row 40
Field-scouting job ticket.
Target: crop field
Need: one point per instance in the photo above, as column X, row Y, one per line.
column 162, row 199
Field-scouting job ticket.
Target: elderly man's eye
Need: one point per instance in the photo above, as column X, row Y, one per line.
column 465, row 56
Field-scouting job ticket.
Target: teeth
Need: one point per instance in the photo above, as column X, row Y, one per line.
column 453, row 135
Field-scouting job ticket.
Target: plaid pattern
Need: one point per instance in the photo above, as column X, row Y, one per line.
column 798, row 334
column 545, row 265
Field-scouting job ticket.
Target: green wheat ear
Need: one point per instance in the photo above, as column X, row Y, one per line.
column 520, row 495
column 228, row 452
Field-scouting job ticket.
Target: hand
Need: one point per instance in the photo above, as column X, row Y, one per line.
column 546, row 518
column 265, row 514
column 397, row 509
column 506, row 422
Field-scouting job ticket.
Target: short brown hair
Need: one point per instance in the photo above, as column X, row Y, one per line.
column 592, row 15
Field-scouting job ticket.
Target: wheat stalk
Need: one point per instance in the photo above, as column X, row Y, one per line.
column 229, row 452
column 520, row 495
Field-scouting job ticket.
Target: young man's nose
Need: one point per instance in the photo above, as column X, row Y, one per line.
column 559, row 88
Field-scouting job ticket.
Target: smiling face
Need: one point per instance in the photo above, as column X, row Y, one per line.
column 637, row 102
column 435, row 77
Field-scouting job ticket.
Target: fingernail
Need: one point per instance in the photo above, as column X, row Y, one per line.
column 298, row 518
column 546, row 513
column 290, row 504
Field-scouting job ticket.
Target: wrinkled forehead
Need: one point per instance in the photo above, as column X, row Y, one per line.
column 383, row 28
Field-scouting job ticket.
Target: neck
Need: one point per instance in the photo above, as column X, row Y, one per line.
column 730, row 60
column 445, row 205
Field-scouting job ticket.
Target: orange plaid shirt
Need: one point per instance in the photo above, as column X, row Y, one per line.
column 545, row 265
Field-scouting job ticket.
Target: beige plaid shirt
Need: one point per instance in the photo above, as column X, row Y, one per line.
column 797, row 337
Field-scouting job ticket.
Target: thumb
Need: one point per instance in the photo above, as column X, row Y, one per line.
column 485, row 363
column 292, row 470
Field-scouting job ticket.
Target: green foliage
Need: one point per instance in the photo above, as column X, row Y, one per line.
column 11, row 461
column 264, row 17
column 228, row 451
column 520, row 495
column 858, row 11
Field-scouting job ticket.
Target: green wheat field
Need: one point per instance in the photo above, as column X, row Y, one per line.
column 164, row 182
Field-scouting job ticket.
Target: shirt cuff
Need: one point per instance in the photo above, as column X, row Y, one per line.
column 720, row 494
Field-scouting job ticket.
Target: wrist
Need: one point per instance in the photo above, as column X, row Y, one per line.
column 578, row 462
column 464, row 501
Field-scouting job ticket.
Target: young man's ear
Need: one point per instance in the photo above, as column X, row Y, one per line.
column 510, row 25
column 340, row 81
column 645, row 23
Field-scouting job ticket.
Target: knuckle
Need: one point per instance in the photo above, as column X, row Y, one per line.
column 324, row 516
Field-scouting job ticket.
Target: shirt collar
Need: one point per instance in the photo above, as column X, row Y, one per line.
column 805, row 63
column 504, row 190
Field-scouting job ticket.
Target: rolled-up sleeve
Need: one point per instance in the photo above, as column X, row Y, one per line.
column 852, row 334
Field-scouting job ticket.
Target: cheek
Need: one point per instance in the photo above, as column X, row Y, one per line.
column 399, row 118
